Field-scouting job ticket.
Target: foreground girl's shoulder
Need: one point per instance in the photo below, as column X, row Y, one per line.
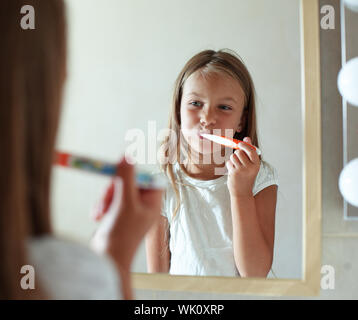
column 68, row 270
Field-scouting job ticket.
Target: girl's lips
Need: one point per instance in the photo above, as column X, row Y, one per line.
column 200, row 136
column 203, row 132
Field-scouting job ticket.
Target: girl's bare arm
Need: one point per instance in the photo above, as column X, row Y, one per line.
column 254, row 232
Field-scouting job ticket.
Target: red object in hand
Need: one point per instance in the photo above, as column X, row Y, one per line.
column 105, row 203
column 61, row 158
column 108, row 198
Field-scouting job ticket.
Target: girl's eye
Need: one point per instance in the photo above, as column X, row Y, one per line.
column 225, row 107
column 195, row 103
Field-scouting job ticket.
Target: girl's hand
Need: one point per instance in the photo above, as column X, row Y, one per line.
column 127, row 213
column 243, row 167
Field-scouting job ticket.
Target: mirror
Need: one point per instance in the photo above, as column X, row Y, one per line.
column 124, row 57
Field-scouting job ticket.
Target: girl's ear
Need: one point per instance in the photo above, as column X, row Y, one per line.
column 241, row 124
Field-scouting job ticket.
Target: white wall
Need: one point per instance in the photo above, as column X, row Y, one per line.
column 124, row 56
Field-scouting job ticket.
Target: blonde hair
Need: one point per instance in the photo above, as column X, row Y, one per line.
column 32, row 64
column 208, row 61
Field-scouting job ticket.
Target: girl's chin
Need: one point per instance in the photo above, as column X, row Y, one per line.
column 206, row 149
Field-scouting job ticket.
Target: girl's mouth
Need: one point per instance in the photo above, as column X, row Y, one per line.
column 201, row 132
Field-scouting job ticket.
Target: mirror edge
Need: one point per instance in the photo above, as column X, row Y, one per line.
column 309, row 285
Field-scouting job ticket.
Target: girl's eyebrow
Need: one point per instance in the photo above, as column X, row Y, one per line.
column 194, row 94
column 229, row 99
column 199, row 96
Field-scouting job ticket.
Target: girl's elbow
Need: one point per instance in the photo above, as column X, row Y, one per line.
column 258, row 271
column 254, row 274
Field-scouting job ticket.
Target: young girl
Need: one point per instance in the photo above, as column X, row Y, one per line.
column 218, row 217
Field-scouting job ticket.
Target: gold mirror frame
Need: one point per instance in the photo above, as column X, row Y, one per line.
column 309, row 285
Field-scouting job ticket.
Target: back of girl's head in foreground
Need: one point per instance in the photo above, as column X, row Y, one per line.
column 32, row 64
column 208, row 61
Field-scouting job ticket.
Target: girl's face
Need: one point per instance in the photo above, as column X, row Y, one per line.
column 212, row 104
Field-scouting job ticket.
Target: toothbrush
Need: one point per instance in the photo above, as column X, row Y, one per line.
column 228, row 142
column 144, row 180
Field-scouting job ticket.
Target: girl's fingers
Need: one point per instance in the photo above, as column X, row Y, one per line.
column 235, row 160
column 125, row 171
column 244, row 160
column 230, row 166
column 121, row 187
column 250, row 151
column 151, row 198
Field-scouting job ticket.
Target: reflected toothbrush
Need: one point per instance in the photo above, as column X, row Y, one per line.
column 228, row 142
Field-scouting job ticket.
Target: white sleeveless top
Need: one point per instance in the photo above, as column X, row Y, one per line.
column 201, row 239
column 67, row 270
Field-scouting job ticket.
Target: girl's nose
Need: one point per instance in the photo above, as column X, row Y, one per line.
column 207, row 118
